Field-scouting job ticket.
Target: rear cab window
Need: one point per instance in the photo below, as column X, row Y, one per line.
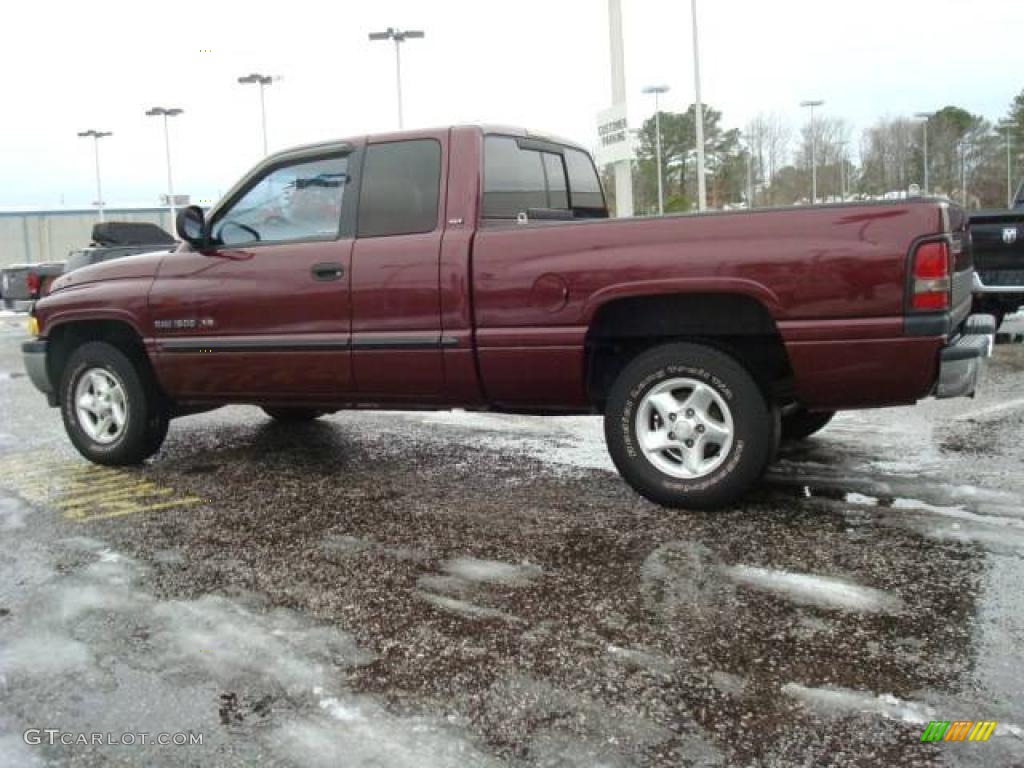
column 539, row 180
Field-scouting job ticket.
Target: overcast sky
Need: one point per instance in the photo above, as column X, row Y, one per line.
column 70, row 66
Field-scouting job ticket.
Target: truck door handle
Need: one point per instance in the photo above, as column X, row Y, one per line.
column 327, row 271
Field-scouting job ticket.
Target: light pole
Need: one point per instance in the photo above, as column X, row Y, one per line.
column 657, row 90
column 842, row 169
column 963, row 145
column 750, row 175
column 263, row 81
column 925, row 117
column 166, row 113
column 96, row 136
column 1008, row 126
column 399, row 36
column 812, row 103
column 702, row 193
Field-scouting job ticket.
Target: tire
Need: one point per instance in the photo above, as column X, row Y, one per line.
column 801, row 424
column 143, row 417
column 720, row 473
column 157, row 434
column 292, row 415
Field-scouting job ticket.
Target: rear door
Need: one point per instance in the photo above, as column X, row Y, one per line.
column 396, row 306
column 263, row 314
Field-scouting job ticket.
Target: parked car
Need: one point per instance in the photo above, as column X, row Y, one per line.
column 477, row 268
column 998, row 245
column 115, row 239
column 22, row 284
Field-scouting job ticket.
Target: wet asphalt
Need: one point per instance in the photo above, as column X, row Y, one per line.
column 383, row 589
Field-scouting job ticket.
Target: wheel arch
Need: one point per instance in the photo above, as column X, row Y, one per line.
column 738, row 323
column 66, row 335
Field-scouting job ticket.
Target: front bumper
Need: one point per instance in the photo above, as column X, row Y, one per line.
column 33, row 353
column 961, row 362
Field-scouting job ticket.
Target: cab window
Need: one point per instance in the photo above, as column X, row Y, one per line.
column 518, row 179
column 400, row 188
column 299, row 201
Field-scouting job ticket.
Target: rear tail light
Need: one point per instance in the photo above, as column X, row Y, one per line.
column 931, row 283
column 32, row 283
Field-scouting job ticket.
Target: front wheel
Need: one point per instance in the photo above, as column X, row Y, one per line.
column 110, row 406
column 687, row 426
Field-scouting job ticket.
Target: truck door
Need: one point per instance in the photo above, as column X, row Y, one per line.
column 396, row 309
column 264, row 311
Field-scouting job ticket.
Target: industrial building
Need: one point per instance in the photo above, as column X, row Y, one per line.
column 35, row 235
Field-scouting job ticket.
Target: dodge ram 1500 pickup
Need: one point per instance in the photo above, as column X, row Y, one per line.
column 478, row 268
column 997, row 242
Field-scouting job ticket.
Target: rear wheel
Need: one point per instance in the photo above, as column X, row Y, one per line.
column 687, row 426
column 293, row 414
column 110, row 406
column 801, row 424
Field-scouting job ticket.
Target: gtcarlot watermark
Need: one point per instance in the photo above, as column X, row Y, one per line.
column 53, row 736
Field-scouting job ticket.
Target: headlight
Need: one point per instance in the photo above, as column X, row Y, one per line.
column 33, row 326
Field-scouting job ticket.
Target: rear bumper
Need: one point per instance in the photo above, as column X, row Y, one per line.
column 19, row 305
column 33, row 353
column 961, row 362
column 980, row 288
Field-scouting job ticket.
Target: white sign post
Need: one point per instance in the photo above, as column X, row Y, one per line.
column 624, row 165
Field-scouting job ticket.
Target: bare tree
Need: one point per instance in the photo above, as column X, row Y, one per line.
column 769, row 137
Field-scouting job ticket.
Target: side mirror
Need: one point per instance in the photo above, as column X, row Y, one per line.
column 191, row 225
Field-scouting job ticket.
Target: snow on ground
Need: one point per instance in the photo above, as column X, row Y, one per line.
column 95, row 622
column 810, row 589
column 492, row 571
column 843, row 700
column 575, row 442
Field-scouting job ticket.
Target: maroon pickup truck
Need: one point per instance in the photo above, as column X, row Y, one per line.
column 477, row 268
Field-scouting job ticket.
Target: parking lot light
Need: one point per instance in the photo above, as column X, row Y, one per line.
column 96, row 136
column 262, row 81
column 399, row 36
column 925, row 117
column 812, row 103
column 166, row 113
column 657, row 90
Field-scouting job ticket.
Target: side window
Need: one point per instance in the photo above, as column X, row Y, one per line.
column 400, row 188
column 516, row 179
column 584, row 183
column 293, row 202
column 554, row 172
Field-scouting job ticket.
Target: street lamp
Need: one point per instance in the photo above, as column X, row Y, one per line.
column 812, row 103
column 399, row 36
column 963, row 146
column 925, row 116
column 1008, row 126
column 263, row 81
column 702, row 193
column 842, row 169
column 657, row 90
column 166, row 113
column 96, row 136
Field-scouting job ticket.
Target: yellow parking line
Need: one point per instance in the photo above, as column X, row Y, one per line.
column 131, row 508
column 99, row 499
column 84, row 492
